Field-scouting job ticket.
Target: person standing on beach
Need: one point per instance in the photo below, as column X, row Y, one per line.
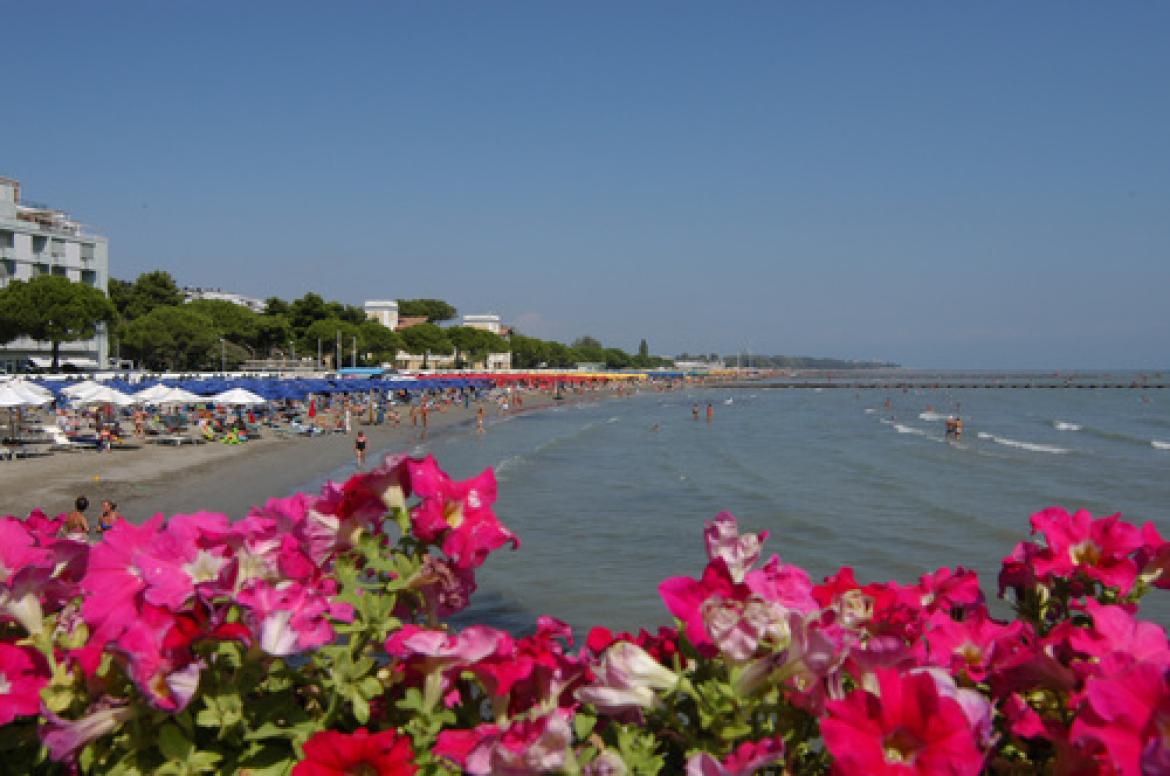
column 359, row 449
column 76, row 524
column 479, row 429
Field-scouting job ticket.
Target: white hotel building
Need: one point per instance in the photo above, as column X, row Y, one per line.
column 38, row 240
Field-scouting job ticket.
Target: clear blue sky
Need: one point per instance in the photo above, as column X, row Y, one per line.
column 940, row 184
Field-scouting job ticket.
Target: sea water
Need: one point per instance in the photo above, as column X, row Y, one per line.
column 609, row 498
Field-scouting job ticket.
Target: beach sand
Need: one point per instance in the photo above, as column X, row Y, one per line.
column 216, row 477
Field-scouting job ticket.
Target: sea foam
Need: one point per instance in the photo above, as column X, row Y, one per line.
column 1036, row 448
column 1061, row 425
column 931, row 415
column 1159, row 445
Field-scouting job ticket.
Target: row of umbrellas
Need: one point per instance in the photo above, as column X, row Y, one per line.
column 22, row 393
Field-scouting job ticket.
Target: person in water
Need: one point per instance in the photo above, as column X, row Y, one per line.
column 955, row 427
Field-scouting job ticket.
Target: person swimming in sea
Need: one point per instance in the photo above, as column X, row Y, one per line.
column 955, row 427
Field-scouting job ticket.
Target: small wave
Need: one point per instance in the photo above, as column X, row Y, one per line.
column 1036, row 448
column 1061, row 425
column 1159, row 445
column 612, row 420
column 870, row 410
column 885, row 421
column 908, row 430
column 930, row 415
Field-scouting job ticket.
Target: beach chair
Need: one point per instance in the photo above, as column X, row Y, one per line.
column 61, row 440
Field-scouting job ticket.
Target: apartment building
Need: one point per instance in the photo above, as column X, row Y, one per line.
column 39, row 240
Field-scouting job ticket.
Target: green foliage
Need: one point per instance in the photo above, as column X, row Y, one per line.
column 149, row 291
column 378, row 342
column 435, row 310
column 426, row 338
column 171, row 338
column 53, row 309
column 474, row 343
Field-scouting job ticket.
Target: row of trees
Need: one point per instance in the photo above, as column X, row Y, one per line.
column 157, row 329
column 530, row 353
column 150, row 323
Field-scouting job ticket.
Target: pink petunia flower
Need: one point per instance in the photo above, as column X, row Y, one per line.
column 23, row 674
column 628, row 680
column 908, row 728
column 739, row 552
column 458, row 514
column 526, row 747
column 291, row 618
column 333, row 753
column 64, row 738
column 1099, row 549
column 969, row 647
column 115, row 578
column 1127, row 713
column 747, row 758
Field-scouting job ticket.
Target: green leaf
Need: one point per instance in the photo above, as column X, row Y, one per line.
column 583, row 724
column 361, row 709
column 173, row 744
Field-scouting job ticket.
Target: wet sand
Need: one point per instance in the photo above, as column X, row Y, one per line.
column 217, row 477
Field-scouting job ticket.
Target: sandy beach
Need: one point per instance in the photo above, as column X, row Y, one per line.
column 217, row 477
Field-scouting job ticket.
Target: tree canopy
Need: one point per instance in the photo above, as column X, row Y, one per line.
column 435, row 310
column 293, row 327
column 52, row 309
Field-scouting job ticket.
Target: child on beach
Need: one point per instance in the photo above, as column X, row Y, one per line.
column 108, row 517
column 76, row 525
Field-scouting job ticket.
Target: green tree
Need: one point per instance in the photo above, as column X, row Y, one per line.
column 378, row 342
column 53, row 309
column 435, row 310
column 327, row 330
column 151, row 290
column 275, row 306
column 528, row 352
column 616, row 358
column 476, row 343
column 560, row 355
column 588, row 349
column 424, row 339
column 121, row 293
column 172, row 338
column 306, row 311
column 232, row 321
column 272, row 332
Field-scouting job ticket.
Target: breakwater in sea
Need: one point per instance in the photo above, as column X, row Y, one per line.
column 911, row 380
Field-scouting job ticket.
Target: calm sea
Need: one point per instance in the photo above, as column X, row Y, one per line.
column 607, row 507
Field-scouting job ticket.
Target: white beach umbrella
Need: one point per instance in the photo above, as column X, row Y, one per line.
column 153, row 394
column 177, row 395
column 33, row 389
column 77, row 389
column 15, row 395
column 104, row 394
column 237, row 396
